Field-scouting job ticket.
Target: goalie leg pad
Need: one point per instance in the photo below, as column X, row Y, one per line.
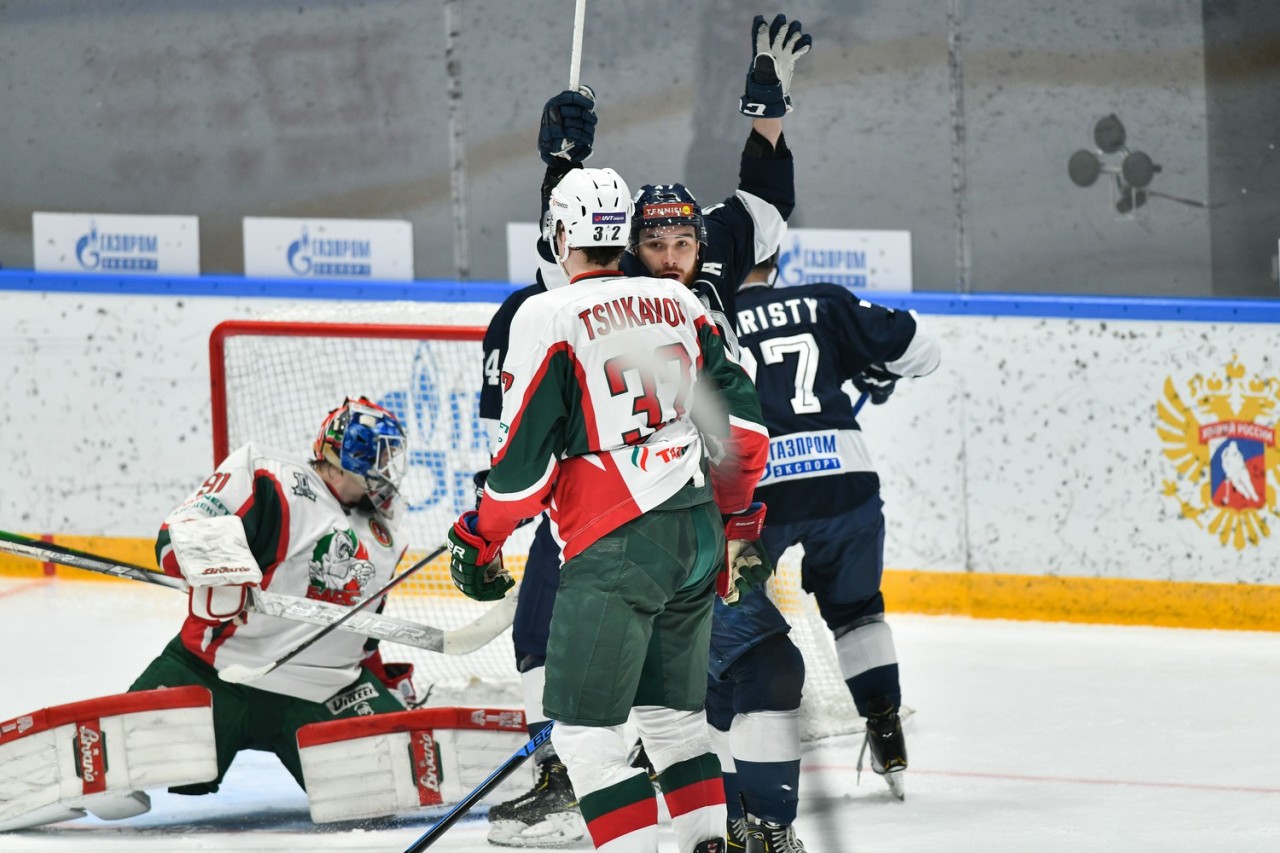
column 365, row 767
column 96, row 756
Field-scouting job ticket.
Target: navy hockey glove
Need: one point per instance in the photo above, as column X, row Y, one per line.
column 774, row 50
column 876, row 382
column 568, row 127
column 475, row 563
column 746, row 563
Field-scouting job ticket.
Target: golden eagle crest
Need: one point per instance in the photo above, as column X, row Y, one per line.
column 1223, row 446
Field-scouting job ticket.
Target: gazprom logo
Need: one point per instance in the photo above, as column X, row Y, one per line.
column 113, row 251
column 330, row 256
column 799, row 263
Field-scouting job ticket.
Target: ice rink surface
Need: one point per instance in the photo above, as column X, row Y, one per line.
column 1027, row 737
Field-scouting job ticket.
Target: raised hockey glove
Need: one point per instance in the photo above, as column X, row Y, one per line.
column 475, row 563
column 877, row 383
column 568, row 128
column 746, row 563
column 774, row 50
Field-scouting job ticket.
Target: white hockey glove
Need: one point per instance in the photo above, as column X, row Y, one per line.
column 746, row 563
column 774, row 50
column 214, row 557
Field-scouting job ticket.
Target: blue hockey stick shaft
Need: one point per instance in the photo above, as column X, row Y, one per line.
column 494, row 779
column 862, row 401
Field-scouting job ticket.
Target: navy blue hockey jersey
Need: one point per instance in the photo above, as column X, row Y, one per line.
column 807, row 341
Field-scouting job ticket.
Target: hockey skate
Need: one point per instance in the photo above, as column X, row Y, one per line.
column 546, row 816
column 751, row 836
column 887, row 745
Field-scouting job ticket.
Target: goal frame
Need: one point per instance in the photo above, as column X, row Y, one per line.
column 303, row 328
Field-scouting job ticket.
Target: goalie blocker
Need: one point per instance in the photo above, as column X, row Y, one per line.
column 366, row 767
column 98, row 756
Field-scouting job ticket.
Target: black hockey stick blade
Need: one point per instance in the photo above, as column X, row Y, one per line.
column 496, row 778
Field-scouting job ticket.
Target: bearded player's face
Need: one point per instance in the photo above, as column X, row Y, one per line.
column 670, row 252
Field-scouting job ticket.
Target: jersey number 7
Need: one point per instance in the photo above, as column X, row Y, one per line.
column 805, row 349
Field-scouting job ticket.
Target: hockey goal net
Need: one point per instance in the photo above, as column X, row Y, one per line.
column 273, row 381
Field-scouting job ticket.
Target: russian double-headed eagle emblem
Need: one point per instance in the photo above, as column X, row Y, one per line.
column 1221, row 438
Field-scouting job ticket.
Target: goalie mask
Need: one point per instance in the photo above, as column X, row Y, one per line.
column 367, row 442
column 663, row 206
column 594, row 206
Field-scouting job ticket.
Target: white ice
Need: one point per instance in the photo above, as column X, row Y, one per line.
column 1027, row 737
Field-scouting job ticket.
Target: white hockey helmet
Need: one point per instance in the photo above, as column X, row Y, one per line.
column 595, row 207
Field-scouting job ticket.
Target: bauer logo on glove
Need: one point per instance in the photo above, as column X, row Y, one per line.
column 475, row 564
column 746, row 563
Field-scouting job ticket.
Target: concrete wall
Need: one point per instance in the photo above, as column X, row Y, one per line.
column 327, row 108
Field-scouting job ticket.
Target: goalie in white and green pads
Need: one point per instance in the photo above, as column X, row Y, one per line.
column 320, row 528
column 603, row 383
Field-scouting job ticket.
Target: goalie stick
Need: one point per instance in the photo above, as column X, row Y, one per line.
column 494, row 779
column 240, row 674
column 458, row 641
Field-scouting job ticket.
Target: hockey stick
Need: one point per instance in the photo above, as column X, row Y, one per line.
column 496, row 778
column 458, row 641
column 240, row 674
column 47, row 552
column 575, row 58
column 862, row 401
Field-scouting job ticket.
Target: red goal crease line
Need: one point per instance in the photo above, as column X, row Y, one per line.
column 1070, row 780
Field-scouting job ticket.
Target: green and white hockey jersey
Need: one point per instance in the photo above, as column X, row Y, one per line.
column 602, row 384
column 306, row 544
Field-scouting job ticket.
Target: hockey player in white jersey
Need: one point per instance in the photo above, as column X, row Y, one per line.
column 322, row 528
column 603, row 383
column 672, row 238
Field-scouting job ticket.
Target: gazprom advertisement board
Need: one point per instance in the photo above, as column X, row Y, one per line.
column 116, row 244
column 368, row 249
column 859, row 260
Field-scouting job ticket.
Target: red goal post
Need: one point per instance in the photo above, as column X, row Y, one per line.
column 273, row 381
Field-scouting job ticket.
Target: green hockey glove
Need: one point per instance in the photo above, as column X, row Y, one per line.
column 476, row 564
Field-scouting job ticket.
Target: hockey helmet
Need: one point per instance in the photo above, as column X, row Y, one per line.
column 594, row 206
column 661, row 206
column 368, row 442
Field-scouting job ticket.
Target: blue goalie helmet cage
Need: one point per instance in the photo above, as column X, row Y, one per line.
column 366, row 440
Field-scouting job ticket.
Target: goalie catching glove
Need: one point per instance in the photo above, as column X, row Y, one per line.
column 746, row 563
column 568, row 129
column 774, row 50
column 475, row 563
